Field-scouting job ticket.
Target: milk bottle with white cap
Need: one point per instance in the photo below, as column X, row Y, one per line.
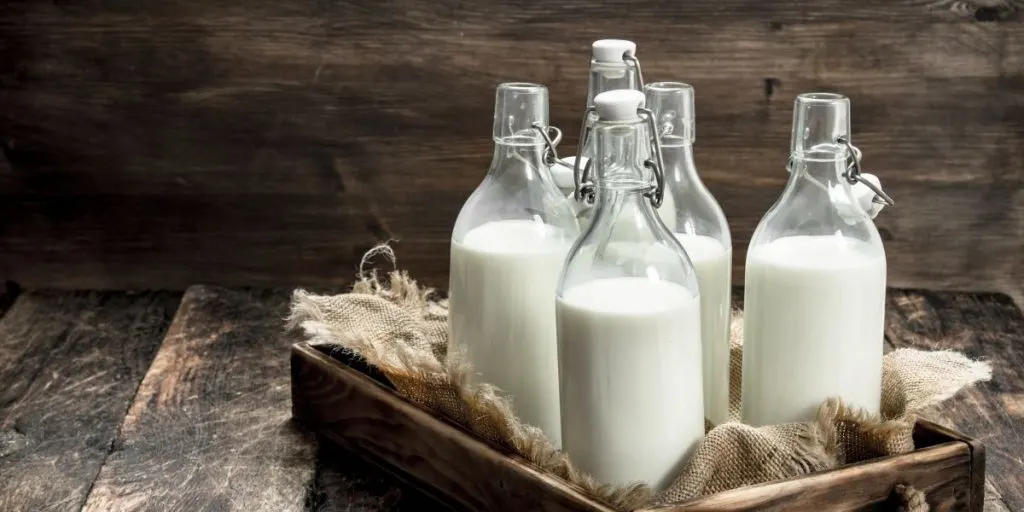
column 507, row 250
column 629, row 338
column 814, row 310
column 613, row 66
column 700, row 226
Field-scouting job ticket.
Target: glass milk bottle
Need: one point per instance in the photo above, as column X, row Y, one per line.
column 815, row 281
column 613, row 66
column 628, row 318
column 508, row 246
column 701, row 227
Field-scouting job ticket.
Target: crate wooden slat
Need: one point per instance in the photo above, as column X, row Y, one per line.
column 364, row 414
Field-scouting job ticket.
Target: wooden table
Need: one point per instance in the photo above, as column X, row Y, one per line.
column 114, row 401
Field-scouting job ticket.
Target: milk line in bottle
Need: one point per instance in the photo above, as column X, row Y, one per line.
column 613, row 66
column 629, row 346
column 701, row 227
column 815, row 281
column 507, row 250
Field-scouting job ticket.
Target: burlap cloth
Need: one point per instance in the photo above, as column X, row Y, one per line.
column 401, row 329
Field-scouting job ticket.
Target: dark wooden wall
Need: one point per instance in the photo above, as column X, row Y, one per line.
column 256, row 142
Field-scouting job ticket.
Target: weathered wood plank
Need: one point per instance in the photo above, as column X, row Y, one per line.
column 210, row 430
column 982, row 326
column 300, row 134
column 70, row 363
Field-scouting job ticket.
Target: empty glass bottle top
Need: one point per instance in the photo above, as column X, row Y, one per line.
column 672, row 103
column 819, row 120
column 517, row 107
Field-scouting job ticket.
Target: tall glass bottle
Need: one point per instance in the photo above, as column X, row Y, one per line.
column 508, row 246
column 815, row 282
column 628, row 318
column 701, row 227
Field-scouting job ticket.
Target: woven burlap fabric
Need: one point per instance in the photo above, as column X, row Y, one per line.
column 401, row 329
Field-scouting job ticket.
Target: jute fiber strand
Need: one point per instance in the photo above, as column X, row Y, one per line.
column 401, row 329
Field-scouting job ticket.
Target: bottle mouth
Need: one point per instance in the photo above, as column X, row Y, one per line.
column 820, row 97
column 521, row 87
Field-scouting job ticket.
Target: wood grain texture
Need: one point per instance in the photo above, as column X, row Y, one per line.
column 989, row 327
column 70, row 363
column 268, row 143
column 358, row 413
column 209, row 428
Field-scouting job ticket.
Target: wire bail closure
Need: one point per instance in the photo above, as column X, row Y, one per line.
column 552, row 136
column 853, row 172
column 585, row 189
column 631, row 59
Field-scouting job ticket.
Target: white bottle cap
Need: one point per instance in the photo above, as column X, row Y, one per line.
column 563, row 173
column 612, row 50
column 619, row 105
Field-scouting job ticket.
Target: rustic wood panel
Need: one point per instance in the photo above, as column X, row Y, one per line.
column 268, row 143
column 982, row 326
column 210, row 430
column 70, row 363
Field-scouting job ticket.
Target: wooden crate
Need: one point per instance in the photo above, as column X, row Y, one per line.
column 353, row 405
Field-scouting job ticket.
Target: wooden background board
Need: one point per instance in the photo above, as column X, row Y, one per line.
column 270, row 143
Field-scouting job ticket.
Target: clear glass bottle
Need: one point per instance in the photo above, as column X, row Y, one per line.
column 701, row 227
column 628, row 319
column 814, row 309
column 508, row 246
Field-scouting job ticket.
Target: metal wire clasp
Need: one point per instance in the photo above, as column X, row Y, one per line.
column 657, row 166
column 552, row 136
column 584, row 187
column 635, row 62
column 583, row 190
column 852, row 173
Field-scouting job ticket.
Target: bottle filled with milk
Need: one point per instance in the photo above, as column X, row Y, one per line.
column 507, row 250
column 629, row 339
column 815, row 280
column 613, row 66
column 700, row 226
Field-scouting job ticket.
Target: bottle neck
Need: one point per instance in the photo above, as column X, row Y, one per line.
column 826, row 171
column 679, row 165
column 606, row 77
column 519, row 160
column 620, row 150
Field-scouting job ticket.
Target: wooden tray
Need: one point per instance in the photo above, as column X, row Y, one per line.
column 354, row 406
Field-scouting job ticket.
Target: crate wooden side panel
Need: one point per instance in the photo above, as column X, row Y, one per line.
column 360, row 414
column 352, row 409
column 943, row 472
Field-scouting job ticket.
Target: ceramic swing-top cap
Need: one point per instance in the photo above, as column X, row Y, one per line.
column 563, row 173
column 619, row 105
column 612, row 50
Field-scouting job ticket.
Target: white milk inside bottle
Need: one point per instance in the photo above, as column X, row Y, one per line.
column 625, row 342
column 511, row 342
column 713, row 262
column 701, row 227
column 628, row 320
column 815, row 282
column 803, row 292
column 507, row 251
